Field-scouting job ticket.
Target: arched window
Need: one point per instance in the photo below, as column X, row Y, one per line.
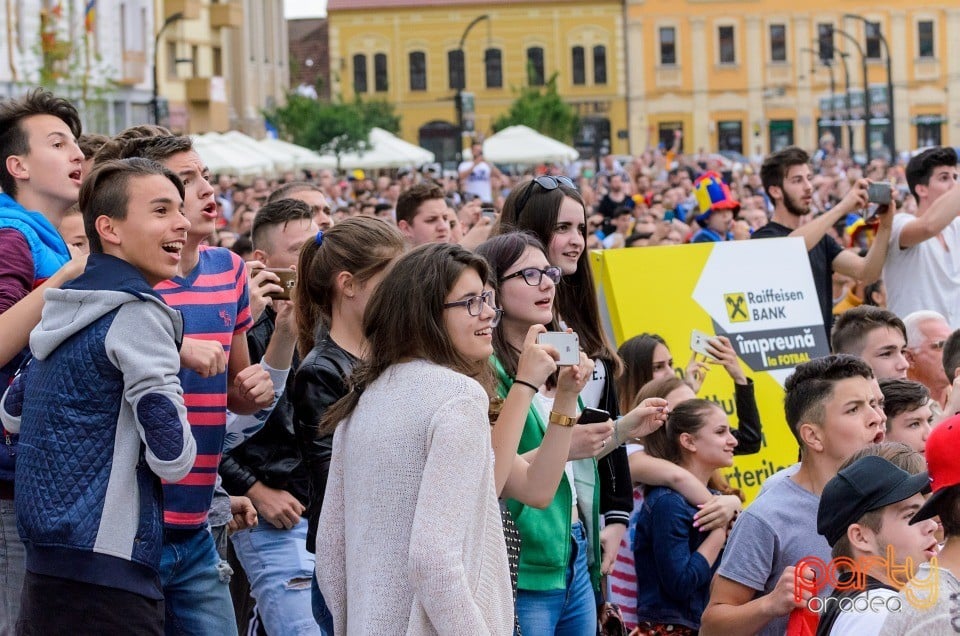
column 380, row 73
column 418, row 71
column 535, row 69
column 359, row 73
column 579, row 66
column 600, row 64
column 493, row 63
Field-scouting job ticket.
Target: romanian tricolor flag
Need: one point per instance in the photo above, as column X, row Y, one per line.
column 90, row 15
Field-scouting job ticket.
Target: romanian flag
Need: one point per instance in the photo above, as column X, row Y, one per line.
column 90, row 15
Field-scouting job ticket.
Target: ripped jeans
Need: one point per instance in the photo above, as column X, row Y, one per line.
column 280, row 571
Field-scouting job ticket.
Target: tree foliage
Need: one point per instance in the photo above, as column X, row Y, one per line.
column 332, row 127
column 543, row 109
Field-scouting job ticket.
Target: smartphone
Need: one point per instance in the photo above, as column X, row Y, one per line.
column 593, row 416
column 489, row 213
column 568, row 344
column 698, row 343
column 879, row 193
column 288, row 280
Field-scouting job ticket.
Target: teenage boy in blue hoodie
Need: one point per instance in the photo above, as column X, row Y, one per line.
column 88, row 499
column 40, row 173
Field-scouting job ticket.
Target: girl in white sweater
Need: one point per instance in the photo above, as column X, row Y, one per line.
column 410, row 538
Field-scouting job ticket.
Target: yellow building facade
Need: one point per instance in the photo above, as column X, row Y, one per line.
column 746, row 76
column 408, row 54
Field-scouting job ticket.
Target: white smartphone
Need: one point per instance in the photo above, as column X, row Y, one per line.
column 698, row 343
column 568, row 344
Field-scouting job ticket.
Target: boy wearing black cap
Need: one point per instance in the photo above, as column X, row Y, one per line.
column 865, row 514
column 929, row 611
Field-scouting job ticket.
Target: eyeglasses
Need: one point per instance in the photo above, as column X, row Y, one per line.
column 533, row 276
column 546, row 182
column 475, row 304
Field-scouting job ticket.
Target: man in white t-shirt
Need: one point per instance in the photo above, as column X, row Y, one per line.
column 922, row 270
column 476, row 176
column 865, row 513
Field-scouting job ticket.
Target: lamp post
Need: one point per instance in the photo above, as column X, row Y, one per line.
column 463, row 81
column 886, row 48
column 815, row 53
column 866, row 91
column 174, row 17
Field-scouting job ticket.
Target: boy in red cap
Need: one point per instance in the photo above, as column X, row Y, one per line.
column 929, row 610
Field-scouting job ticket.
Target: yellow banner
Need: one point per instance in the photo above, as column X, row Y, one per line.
column 760, row 294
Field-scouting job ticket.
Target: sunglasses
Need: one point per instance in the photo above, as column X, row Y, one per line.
column 548, row 183
column 475, row 304
column 533, row 276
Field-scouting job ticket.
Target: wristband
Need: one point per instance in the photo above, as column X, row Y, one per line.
column 527, row 384
column 561, row 420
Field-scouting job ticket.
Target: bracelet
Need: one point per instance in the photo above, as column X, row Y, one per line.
column 561, row 420
column 527, row 384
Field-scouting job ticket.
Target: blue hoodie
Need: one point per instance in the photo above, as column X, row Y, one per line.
column 49, row 252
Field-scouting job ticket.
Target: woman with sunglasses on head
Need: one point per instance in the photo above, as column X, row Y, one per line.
column 555, row 594
column 553, row 210
column 410, row 539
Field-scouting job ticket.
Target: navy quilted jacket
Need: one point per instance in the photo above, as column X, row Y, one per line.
column 101, row 420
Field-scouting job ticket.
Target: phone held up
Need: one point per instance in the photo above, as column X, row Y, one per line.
column 699, row 341
column 288, row 280
column 568, row 344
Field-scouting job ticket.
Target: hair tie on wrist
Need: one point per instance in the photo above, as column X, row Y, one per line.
column 527, row 384
column 319, row 238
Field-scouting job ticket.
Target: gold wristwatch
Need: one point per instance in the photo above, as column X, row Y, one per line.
column 561, row 420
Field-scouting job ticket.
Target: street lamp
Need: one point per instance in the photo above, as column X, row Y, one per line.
column 463, row 81
column 886, row 47
column 866, row 90
column 833, row 88
column 174, row 17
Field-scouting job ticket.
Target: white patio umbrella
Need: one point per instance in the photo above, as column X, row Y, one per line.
column 303, row 157
column 520, row 144
column 386, row 151
column 223, row 157
column 282, row 160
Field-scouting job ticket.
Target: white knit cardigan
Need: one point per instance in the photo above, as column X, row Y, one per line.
column 410, row 538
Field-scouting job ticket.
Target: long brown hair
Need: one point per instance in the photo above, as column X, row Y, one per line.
column 404, row 321
column 501, row 252
column 576, row 302
column 637, row 356
column 361, row 245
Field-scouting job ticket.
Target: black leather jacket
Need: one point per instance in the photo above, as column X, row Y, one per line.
column 272, row 455
column 320, row 381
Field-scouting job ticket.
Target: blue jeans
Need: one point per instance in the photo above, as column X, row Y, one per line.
column 12, row 565
column 569, row 612
column 279, row 569
column 320, row 612
column 196, row 586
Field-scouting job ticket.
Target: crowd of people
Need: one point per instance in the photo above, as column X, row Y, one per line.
column 337, row 404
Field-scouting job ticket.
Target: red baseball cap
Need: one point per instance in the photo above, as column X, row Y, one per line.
column 943, row 464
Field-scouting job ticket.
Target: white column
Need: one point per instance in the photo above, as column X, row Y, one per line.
column 899, row 55
column 701, row 60
column 755, row 59
column 952, row 72
column 636, row 86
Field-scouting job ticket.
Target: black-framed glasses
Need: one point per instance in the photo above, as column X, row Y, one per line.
column 547, row 182
column 533, row 276
column 475, row 304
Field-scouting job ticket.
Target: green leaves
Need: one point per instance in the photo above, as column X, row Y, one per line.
column 542, row 109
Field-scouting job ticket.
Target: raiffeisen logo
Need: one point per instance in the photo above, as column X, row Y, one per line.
column 843, row 574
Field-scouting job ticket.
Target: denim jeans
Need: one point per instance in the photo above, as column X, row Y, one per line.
column 320, row 612
column 12, row 563
column 569, row 612
column 279, row 569
column 196, row 586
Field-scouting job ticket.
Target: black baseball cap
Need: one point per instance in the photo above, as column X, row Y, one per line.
column 867, row 484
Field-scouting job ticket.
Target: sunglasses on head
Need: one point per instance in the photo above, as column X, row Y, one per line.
column 546, row 182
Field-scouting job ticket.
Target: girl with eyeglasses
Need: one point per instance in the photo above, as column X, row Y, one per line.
column 338, row 271
column 410, row 539
column 553, row 210
column 555, row 594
